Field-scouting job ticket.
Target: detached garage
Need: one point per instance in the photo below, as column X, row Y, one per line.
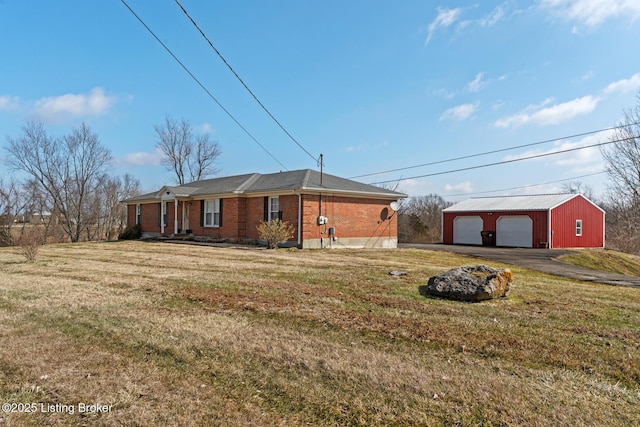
column 540, row 221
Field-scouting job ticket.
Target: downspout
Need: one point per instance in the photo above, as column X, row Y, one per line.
column 299, row 219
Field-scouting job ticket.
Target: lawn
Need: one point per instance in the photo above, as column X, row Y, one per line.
column 164, row 334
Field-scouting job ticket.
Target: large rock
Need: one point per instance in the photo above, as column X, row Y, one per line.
column 471, row 283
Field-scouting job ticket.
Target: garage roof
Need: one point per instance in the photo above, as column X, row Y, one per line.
column 539, row 202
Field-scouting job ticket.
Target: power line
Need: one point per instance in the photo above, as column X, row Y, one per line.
column 526, row 186
column 243, row 83
column 489, row 152
column 201, row 85
column 536, row 156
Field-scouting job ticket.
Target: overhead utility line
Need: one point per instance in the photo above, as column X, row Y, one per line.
column 488, row 152
column 244, row 84
column 526, row 186
column 536, row 156
column 202, row 85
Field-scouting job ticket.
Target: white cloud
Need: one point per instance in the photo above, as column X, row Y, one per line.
column 578, row 159
column 415, row 187
column 550, row 115
column 141, row 158
column 476, row 84
column 445, row 18
column 60, row 108
column 495, row 16
column 592, row 13
column 205, row 128
column 9, row 103
column 631, row 84
column 354, row 148
column 444, row 93
column 463, row 187
column 461, row 112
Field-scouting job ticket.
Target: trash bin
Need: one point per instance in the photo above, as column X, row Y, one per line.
column 488, row 238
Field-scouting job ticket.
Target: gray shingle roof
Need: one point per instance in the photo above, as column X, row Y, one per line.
column 540, row 202
column 301, row 180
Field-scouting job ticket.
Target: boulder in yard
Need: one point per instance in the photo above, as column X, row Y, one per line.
column 471, row 283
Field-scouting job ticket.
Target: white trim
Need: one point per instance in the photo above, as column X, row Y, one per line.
column 271, row 211
column 549, row 235
column 214, row 204
column 163, row 213
column 175, row 216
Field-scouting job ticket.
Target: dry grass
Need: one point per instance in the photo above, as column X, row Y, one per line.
column 605, row 260
column 186, row 335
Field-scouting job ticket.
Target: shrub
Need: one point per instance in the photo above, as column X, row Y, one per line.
column 275, row 232
column 29, row 242
column 132, row 232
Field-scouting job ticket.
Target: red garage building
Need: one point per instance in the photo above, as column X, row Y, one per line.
column 547, row 220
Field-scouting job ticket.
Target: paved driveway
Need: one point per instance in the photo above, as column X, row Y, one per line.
column 535, row 259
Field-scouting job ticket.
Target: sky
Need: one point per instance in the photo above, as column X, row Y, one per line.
column 373, row 86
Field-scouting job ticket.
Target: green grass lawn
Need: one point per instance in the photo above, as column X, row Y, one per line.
column 190, row 335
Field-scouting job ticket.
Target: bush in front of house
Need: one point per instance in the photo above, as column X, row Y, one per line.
column 132, row 232
column 274, row 232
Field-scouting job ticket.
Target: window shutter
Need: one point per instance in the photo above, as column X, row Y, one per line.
column 201, row 213
column 160, row 214
column 220, row 212
column 280, row 215
column 266, row 208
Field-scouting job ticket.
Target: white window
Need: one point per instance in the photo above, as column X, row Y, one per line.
column 578, row 227
column 274, row 208
column 165, row 219
column 138, row 214
column 212, row 213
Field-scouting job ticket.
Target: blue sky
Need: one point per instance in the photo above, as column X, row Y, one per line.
column 372, row 85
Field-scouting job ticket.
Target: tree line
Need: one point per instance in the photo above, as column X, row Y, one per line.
column 69, row 192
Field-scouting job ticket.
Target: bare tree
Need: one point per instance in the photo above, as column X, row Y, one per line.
column 41, row 210
column 112, row 215
column 622, row 158
column 13, row 208
column 420, row 219
column 579, row 187
column 66, row 168
column 190, row 157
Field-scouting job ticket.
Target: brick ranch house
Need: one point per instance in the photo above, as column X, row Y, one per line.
column 325, row 210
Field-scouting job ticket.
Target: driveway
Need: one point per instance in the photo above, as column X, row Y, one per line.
column 544, row 260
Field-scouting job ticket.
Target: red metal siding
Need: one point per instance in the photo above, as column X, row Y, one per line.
column 563, row 224
column 489, row 220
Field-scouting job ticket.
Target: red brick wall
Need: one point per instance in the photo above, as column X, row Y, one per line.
column 255, row 213
column 148, row 217
column 351, row 217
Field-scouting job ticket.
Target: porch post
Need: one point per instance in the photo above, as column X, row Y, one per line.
column 175, row 216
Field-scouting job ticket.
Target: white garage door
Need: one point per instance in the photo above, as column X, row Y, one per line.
column 514, row 231
column 466, row 230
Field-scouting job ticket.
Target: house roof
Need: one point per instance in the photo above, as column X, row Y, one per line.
column 539, row 202
column 304, row 180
